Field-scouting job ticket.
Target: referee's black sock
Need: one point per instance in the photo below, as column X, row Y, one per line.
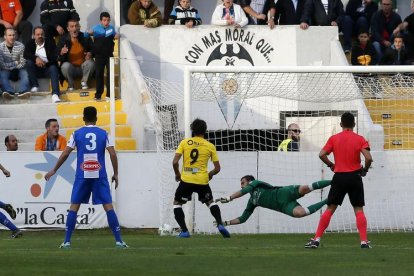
column 180, row 217
column 215, row 211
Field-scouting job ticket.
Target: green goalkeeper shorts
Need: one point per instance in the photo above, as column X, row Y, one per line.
column 286, row 197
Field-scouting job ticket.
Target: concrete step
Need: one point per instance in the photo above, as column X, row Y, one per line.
column 82, row 95
column 25, row 110
column 74, row 121
column 26, row 135
column 120, row 144
column 125, row 144
column 73, row 108
column 122, row 131
column 22, row 146
column 24, row 123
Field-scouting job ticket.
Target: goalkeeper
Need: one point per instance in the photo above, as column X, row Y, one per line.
column 281, row 199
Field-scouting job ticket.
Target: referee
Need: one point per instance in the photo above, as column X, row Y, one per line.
column 347, row 147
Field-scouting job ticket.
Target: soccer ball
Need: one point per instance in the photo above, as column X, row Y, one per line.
column 166, row 230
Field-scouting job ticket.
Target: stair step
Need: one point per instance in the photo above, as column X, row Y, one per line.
column 121, row 131
column 75, row 108
column 22, row 110
column 75, row 121
column 23, row 123
column 125, row 144
column 26, row 135
column 82, row 95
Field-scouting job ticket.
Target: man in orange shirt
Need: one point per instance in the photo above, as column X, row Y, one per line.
column 51, row 140
column 75, row 55
column 12, row 18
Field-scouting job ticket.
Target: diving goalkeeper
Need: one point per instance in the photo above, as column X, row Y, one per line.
column 281, row 199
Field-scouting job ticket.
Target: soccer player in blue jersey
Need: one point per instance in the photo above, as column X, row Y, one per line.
column 91, row 178
column 16, row 233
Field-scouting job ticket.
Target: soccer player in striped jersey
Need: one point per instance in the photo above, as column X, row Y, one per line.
column 281, row 199
column 91, row 178
column 16, row 233
column 194, row 178
column 347, row 147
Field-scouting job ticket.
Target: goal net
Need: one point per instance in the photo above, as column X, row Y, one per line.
column 248, row 111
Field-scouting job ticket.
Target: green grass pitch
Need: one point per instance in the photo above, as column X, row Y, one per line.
column 93, row 253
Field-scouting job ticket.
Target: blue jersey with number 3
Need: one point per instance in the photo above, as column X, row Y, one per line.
column 91, row 142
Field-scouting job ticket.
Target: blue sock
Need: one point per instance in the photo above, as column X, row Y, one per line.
column 6, row 222
column 2, row 204
column 70, row 225
column 114, row 225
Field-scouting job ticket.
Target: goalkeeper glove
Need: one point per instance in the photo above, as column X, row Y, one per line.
column 224, row 199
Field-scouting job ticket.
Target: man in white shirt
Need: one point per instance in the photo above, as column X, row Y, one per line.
column 40, row 53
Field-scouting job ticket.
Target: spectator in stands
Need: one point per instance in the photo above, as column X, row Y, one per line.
column 28, row 7
column 292, row 142
column 258, row 10
column 358, row 15
column 125, row 4
column 407, row 29
column 75, row 55
column 229, row 14
column 289, row 12
column 12, row 64
column 168, row 8
column 12, row 18
column 395, row 54
column 383, row 23
column 363, row 53
column 41, row 58
column 144, row 12
column 185, row 14
column 326, row 13
column 103, row 48
column 11, row 143
column 51, row 140
column 54, row 16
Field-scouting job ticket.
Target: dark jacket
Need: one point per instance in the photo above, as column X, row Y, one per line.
column 27, row 7
column 55, row 12
column 267, row 6
column 50, row 47
column 286, row 13
column 353, row 5
column 314, row 12
column 86, row 43
column 137, row 15
column 379, row 24
column 393, row 57
column 364, row 56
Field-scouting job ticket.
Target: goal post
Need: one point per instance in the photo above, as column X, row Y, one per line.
column 248, row 110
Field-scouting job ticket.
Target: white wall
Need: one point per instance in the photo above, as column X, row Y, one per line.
column 139, row 197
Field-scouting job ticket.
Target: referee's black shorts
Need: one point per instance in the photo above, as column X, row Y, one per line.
column 185, row 191
column 347, row 183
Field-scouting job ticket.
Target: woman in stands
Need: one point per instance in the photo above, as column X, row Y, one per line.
column 229, row 14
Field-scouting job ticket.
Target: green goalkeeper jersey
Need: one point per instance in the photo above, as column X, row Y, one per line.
column 261, row 194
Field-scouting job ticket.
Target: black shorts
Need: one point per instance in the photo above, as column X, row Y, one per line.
column 186, row 190
column 347, row 183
